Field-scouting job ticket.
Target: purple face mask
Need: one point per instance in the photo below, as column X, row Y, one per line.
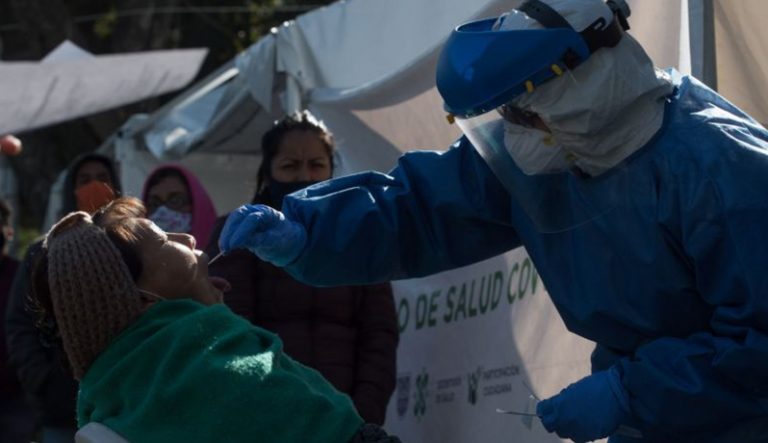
column 172, row 221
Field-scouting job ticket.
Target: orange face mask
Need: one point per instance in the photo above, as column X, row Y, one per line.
column 93, row 196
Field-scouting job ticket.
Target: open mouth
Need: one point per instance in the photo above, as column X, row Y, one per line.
column 220, row 283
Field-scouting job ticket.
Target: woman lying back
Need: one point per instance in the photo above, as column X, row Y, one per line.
column 159, row 358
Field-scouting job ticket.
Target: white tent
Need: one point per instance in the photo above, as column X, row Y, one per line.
column 70, row 82
column 366, row 67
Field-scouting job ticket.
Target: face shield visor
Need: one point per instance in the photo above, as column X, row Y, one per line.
column 539, row 174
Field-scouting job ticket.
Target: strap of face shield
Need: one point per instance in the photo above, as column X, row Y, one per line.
column 597, row 35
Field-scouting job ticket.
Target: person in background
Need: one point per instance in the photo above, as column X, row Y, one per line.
column 348, row 333
column 17, row 420
column 91, row 183
column 177, row 202
column 159, row 358
column 33, row 350
column 639, row 194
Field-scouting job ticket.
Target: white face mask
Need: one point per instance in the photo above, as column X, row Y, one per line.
column 172, row 221
column 534, row 151
column 605, row 109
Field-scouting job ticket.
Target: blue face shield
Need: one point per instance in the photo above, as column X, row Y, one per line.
column 482, row 68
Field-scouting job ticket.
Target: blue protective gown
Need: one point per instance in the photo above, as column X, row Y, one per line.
column 672, row 284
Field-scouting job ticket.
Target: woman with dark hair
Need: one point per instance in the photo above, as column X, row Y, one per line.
column 176, row 201
column 296, row 152
column 348, row 333
column 91, row 182
column 159, row 358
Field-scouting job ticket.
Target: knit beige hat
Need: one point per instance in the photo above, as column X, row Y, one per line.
column 93, row 295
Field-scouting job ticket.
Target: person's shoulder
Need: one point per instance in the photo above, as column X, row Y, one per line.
column 459, row 144
column 706, row 127
column 694, row 102
column 460, row 151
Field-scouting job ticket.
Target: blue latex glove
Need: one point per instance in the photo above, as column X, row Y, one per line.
column 265, row 232
column 592, row 408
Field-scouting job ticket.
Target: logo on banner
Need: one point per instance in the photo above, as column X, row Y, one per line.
column 420, row 407
column 473, row 382
column 403, row 393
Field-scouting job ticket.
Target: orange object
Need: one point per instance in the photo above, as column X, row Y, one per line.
column 94, row 195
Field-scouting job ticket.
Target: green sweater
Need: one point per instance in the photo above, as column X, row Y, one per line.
column 189, row 373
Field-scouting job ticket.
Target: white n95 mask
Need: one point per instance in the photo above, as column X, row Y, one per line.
column 534, row 151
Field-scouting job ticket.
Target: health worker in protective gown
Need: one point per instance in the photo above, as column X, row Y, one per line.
column 576, row 147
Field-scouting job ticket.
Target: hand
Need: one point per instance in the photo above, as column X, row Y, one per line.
column 265, row 232
column 592, row 408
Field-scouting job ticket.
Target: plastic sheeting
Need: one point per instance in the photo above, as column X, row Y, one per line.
column 374, row 87
column 393, row 67
column 63, row 87
column 365, row 56
column 376, row 94
column 367, row 69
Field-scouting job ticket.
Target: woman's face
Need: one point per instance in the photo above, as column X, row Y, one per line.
column 173, row 268
column 301, row 157
column 171, row 192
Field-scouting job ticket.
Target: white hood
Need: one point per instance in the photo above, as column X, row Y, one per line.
column 606, row 108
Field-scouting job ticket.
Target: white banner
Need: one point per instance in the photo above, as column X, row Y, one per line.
column 474, row 340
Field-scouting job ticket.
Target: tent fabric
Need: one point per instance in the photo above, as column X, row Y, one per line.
column 258, row 62
column 327, row 59
column 658, row 25
column 367, row 68
column 388, row 71
column 340, row 35
column 310, row 61
column 174, row 135
column 66, row 51
column 741, row 62
column 36, row 94
column 226, row 114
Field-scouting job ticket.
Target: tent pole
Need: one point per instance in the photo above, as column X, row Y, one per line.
column 701, row 16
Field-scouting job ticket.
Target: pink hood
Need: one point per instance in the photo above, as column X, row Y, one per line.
column 203, row 211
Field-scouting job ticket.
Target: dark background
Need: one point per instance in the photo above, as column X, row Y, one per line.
column 29, row 29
